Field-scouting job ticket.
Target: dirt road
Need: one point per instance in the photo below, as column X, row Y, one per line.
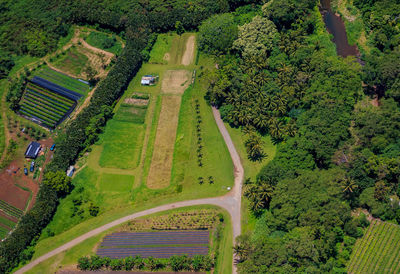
column 230, row 202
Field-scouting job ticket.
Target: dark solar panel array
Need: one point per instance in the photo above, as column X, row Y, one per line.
column 161, row 244
column 56, row 88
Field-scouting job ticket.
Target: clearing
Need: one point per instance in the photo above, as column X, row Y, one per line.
column 377, row 251
column 176, row 81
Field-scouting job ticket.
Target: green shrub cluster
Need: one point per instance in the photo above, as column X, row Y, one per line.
column 175, row 263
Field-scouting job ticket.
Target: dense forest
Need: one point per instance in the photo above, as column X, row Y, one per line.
column 337, row 151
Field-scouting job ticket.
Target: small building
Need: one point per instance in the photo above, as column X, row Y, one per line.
column 70, row 171
column 32, row 150
column 148, row 80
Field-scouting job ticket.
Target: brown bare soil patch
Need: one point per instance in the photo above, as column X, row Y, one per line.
column 175, row 81
column 10, row 193
column 136, row 102
column 161, row 162
column 188, row 55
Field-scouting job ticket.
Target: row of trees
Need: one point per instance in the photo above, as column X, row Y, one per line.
column 175, row 263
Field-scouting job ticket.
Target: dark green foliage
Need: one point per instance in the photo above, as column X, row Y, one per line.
column 59, row 181
column 6, row 63
column 217, row 33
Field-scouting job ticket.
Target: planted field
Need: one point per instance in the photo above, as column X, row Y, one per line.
column 10, row 210
column 7, row 222
column 378, row 251
column 161, row 162
column 44, row 106
column 3, row 232
column 161, row 244
column 122, row 145
column 63, row 80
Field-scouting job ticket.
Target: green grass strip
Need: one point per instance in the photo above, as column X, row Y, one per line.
column 360, row 246
column 54, row 76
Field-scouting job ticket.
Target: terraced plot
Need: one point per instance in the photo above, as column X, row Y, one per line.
column 378, row 251
column 162, row 244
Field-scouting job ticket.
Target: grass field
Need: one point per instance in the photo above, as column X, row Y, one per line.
column 110, row 183
column 69, row 258
column 377, row 251
column 122, row 144
column 99, row 40
column 72, row 62
column 161, row 49
column 7, row 222
column 131, row 113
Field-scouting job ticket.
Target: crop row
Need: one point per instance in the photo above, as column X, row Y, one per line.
column 48, row 104
column 41, row 104
column 361, row 246
column 387, row 245
column 10, row 210
column 391, row 249
column 63, row 79
column 33, row 114
column 48, row 99
column 50, row 93
column 379, row 250
column 3, row 232
column 39, row 107
column 7, row 222
column 370, row 246
column 394, row 263
column 35, row 110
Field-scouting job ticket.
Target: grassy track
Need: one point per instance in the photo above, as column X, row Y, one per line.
column 378, row 251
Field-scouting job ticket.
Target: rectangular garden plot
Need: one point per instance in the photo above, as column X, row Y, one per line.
column 47, row 103
column 162, row 244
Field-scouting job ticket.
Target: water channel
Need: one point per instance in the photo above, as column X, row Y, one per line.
column 335, row 26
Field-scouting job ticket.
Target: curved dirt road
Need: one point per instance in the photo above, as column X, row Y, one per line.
column 230, row 202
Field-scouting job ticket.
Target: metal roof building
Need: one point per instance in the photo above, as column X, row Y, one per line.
column 33, row 150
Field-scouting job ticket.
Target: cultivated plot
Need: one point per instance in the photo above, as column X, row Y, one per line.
column 161, row 162
column 175, row 81
column 162, row 244
column 378, row 251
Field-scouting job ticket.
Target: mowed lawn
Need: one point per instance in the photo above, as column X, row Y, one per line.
column 378, row 251
column 122, row 145
column 114, row 183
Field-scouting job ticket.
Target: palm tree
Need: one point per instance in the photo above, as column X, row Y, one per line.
column 348, row 186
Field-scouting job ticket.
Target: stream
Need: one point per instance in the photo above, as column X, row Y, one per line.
column 336, row 27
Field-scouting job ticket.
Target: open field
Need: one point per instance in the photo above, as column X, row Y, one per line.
column 220, row 241
column 160, row 53
column 122, row 144
column 114, row 183
column 377, row 251
column 175, row 81
column 161, row 162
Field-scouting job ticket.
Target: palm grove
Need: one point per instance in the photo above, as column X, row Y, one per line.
column 278, row 74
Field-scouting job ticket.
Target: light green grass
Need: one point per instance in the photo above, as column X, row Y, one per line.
column 72, row 62
column 122, row 145
column 96, row 39
column 160, row 48
column 116, row 183
column 131, row 113
column 88, row 247
column 376, row 251
column 7, row 222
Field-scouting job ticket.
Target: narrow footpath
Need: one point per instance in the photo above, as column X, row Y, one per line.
column 231, row 202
